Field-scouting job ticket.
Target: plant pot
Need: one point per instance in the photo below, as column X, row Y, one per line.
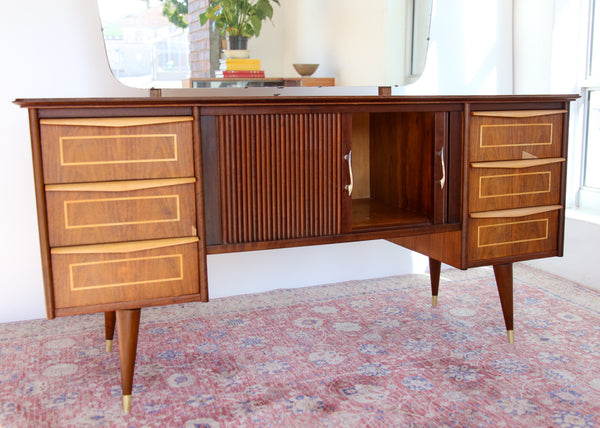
column 237, row 42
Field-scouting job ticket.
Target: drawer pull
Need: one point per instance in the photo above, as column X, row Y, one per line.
column 350, row 187
column 517, row 164
column 443, row 179
column 517, row 113
column 116, row 122
column 518, row 212
column 124, row 247
column 118, row 186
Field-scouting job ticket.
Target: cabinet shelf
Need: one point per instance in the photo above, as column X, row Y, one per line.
column 369, row 213
column 392, row 164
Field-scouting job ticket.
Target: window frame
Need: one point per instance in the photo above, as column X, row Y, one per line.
column 589, row 196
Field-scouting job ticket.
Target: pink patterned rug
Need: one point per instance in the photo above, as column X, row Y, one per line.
column 368, row 353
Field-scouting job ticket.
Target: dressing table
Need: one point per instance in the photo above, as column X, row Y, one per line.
column 134, row 193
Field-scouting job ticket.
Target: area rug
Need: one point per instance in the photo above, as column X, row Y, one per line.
column 368, row 353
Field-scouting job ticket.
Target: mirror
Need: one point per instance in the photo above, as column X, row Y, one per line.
column 355, row 43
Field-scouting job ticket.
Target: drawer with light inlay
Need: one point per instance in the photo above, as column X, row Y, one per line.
column 509, row 233
column 124, row 272
column 521, row 134
column 88, row 213
column 102, row 149
column 514, row 184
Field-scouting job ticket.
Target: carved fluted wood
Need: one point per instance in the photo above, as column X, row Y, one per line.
column 280, row 176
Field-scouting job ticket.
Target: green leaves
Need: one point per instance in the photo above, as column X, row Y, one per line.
column 238, row 17
column 175, row 11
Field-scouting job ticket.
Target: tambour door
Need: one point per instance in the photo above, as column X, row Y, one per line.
column 276, row 176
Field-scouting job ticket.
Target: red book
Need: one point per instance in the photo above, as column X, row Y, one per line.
column 240, row 74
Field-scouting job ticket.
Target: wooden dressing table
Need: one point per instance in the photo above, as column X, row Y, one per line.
column 133, row 193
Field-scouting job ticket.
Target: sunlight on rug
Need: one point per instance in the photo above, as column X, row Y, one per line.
column 370, row 353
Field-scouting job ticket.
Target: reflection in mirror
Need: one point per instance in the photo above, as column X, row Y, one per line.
column 354, row 43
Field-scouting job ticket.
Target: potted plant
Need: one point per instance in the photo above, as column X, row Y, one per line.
column 238, row 20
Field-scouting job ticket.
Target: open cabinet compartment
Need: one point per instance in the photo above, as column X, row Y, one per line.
column 392, row 168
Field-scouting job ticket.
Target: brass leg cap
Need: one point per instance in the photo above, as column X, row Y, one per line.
column 126, row 403
column 434, row 301
column 108, row 345
column 511, row 336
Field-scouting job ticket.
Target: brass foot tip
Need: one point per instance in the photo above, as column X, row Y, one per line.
column 108, row 345
column 434, row 301
column 126, row 403
column 511, row 336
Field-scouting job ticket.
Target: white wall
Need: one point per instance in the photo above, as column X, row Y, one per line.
column 50, row 49
column 357, row 48
column 532, row 52
column 59, row 52
column 348, row 43
column 470, row 50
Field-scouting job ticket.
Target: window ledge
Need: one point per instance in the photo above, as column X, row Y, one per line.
column 581, row 214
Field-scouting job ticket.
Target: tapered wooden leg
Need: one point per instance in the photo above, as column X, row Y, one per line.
column 109, row 328
column 504, row 281
column 434, row 274
column 128, row 323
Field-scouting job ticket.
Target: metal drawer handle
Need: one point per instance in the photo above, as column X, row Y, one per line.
column 443, row 179
column 349, row 187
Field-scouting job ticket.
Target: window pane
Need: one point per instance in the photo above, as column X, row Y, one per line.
column 144, row 49
column 595, row 39
column 592, row 168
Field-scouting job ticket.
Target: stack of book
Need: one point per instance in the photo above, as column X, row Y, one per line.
column 240, row 68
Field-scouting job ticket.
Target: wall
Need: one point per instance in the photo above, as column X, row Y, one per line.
column 59, row 52
column 50, row 49
column 348, row 43
column 470, row 50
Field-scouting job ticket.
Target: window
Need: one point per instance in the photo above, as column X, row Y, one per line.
column 144, row 49
column 589, row 195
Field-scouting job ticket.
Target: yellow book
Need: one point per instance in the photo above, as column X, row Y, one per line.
column 240, row 64
column 241, row 61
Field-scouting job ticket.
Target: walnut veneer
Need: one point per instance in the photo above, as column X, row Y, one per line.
column 134, row 193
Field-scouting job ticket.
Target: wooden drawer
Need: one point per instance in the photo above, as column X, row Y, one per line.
column 514, row 184
column 511, row 233
column 125, row 272
column 88, row 213
column 504, row 135
column 102, row 149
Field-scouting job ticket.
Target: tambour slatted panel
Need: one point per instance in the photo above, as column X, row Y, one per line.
column 279, row 176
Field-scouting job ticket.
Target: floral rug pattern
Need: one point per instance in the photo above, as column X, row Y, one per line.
column 370, row 353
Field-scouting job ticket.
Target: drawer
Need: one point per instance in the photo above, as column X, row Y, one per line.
column 514, row 184
column 102, row 149
column 512, row 233
column 505, row 135
column 125, row 272
column 88, row 213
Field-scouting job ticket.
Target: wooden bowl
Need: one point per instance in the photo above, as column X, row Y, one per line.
column 305, row 70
